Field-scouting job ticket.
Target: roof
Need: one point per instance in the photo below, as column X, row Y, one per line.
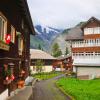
column 39, row 54
column 16, row 12
column 91, row 19
column 74, row 34
column 63, row 57
column 24, row 5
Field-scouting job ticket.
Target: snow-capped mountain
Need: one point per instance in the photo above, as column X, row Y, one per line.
column 45, row 36
column 47, row 33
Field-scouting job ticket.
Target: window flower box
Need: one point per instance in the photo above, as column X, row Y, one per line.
column 6, row 82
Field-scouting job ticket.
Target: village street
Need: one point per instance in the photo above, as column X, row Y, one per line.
column 49, row 50
column 47, row 90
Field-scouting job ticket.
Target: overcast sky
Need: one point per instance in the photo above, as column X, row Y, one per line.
column 63, row 13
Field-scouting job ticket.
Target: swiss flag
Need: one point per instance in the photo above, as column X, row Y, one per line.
column 8, row 38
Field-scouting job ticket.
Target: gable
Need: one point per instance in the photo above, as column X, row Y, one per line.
column 92, row 22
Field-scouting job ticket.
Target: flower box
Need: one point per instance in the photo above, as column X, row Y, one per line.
column 21, row 84
column 6, row 82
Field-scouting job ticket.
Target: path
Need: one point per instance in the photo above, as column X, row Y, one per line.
column 46, row 90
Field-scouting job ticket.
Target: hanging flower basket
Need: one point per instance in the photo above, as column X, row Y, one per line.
column 9, row 79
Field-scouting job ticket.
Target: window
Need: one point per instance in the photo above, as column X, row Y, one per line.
column 85, row 31
column 20, row 45
column 12, row 34
column 3, row 27
column 90, row 31
column 97, row 30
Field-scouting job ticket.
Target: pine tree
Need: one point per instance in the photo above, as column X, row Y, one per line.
column 39, row 47
column 66, row 52
column 56, row 50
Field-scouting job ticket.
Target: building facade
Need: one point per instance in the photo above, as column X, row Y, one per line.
column 15, row 29
column 45, row 58
column 63, row 63
column 86, row 50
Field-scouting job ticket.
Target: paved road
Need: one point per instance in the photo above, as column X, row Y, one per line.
column 46, row 90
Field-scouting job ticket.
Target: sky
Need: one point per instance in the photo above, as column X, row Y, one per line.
column 63, row 14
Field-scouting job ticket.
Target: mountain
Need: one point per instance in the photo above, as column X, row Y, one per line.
column 45, row 36
column 60, row 39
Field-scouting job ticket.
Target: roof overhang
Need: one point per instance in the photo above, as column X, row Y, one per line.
column 86, row 65
column 25, row 9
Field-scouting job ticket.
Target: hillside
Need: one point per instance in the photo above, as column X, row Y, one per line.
column 60, row 39
column 45, row 36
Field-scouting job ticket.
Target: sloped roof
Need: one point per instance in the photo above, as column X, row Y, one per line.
column 39, row 54
column 17, row 12
column 74, row 34
column 91, row 19
column 25, row 6
column 63, row 57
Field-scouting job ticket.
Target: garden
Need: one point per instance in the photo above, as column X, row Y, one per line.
column 80, row 89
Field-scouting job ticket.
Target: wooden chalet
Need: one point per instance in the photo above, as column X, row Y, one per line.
column 86, row 49
column 16, row 26
column 63, row 63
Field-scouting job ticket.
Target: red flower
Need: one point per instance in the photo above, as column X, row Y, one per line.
column 8, row 38
column 7, row 78
column 12, row 77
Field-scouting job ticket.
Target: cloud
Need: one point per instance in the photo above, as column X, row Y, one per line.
column 63, row 13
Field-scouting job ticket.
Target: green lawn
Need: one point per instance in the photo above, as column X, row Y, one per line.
column 81, row 89
column 44, row 76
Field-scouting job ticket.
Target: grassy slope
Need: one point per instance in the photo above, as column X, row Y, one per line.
column 81, row 89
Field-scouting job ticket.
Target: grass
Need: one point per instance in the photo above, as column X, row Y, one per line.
column 81, row 89
column 44, row 76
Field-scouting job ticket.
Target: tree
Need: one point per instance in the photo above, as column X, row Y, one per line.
column 56, row 51
column 39, row 47
column 66, row 52
column 39, row 65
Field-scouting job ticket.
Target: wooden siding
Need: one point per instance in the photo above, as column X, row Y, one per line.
column 15, row 14
column 60, row 63
column 92, row 36
column 86, row 49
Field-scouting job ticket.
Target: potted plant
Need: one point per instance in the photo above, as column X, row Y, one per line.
column 9, row 79
column 21, row 81
column 8, row 76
